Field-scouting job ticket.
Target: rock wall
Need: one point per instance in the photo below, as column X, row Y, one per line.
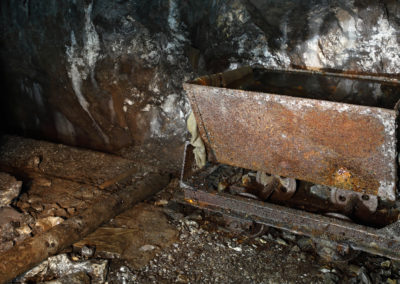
column 361, row 36
column 107, row 74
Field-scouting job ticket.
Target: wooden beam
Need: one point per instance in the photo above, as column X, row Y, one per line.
column 34, row 250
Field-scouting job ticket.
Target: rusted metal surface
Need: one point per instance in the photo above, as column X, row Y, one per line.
column 384, row 242
column 339, row 233
column 347, row 146
column 344, row 198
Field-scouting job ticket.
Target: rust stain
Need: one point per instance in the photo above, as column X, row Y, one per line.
column 324, row 142
column 312, row 145
column 342, row 176
column 311, row 140
column 345, row 178
column 381, row 242
column 345, row 132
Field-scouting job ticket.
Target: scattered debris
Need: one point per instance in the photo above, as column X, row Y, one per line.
column 9, row 188
column 147, row 248
column 33, row 250
column 47, row 223
column 204, row 252
column 386, row 264
column 161, row 202
column 162, row 241
column 87, row 251
column 14, row 227
column 61, row 266
column 75, row 278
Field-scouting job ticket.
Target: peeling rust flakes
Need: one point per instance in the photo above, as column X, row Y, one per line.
column 368, row 239
column 343, row 234
column 343, row 176
column 324, row 142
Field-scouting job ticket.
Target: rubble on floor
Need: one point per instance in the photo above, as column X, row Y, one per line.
column 161, row 240
column 14, row 227
column 66, row 189
column 13, row 224
column 58, row 198
column 59, row 181
column 203, row 250
column 61, row 267
column 9, row 188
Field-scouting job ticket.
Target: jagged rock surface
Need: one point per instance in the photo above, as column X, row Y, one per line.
column 108, row 74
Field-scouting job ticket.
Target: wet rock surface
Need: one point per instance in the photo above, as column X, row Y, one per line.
column 108, row 75
column 110, row 79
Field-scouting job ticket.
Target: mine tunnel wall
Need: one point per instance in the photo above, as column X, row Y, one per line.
column 108, row 74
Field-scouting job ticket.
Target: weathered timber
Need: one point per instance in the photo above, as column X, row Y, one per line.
column 36, row 249
column 34, row 158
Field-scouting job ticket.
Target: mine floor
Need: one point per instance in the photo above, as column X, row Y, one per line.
column 159, row 240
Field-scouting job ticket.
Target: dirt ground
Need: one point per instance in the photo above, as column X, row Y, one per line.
column 161, row 241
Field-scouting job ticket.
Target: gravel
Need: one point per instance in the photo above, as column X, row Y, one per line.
column 206, row 252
